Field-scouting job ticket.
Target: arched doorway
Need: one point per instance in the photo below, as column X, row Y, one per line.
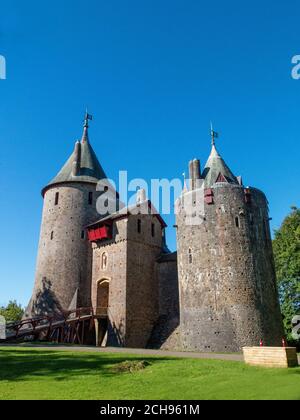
column 103, row 295
column 102, row 312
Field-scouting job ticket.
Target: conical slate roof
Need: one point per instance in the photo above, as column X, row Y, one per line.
column 216, row 167
column 89, row 168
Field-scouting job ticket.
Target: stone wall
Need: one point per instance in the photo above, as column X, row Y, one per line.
column 115, row 272
column 63, row 272
column 142, row 282
column 167, row 273
column 228, row 295
column 165, row 333
column 133, row 292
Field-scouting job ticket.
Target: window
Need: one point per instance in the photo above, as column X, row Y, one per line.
column 56, row 199
column 190, row 256
column 266, row 230
column 153, row 230
column 90, row 198
column 104, row 260
column 237, row 222
column 221, row 178
column 139, row 226
column 52, row 235
column 83, row 234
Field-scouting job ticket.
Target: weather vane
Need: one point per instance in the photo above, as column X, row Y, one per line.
column 214, row 135
column 88, row 117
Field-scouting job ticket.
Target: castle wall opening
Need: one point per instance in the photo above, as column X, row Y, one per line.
column 103, row 296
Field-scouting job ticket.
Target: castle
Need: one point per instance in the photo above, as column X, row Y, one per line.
column 216, row 293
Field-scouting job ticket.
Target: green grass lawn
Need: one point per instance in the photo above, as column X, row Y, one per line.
column 27, row 373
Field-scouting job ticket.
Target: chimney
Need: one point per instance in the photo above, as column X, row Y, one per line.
column 77, row 159
column 192, row 179
column 195, row 173
column 141, row 196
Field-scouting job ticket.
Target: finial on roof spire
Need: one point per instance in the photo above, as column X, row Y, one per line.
column 214, row 135
column 88, row 117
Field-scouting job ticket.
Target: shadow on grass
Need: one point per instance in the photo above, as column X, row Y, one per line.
column 16, row 365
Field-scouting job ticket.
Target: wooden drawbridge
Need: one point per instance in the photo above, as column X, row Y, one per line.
column 68, row 327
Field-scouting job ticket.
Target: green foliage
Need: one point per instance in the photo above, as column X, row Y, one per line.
column 12, row 312
column 287, row 260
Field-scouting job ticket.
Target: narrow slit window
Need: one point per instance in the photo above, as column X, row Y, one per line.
column 153, row 230
column 190, row 256
column 266, row 230
column 52, row 236
column 237, row 222
column 139, row 226
column 83, row 234
column 56, row 199
column 90, row 198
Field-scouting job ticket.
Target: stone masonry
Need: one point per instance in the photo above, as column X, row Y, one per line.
column 228, row 293
column 130, row 263
column 216, row 293
column 65, row 255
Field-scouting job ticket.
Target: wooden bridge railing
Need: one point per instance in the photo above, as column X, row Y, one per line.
column 49, row 323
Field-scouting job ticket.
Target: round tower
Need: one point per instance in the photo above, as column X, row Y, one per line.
column 228, row 293
column 64, row 262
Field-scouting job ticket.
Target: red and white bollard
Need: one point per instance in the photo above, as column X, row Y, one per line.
column 261, row 343
column 283, row 343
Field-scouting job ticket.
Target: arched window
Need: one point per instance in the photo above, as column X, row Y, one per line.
column 104, row 260
column 57, row 198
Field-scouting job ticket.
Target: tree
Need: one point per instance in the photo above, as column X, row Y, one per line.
column 13, row 312
column 287, row 261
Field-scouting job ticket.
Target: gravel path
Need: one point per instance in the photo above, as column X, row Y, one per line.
column 236, row 357
column 162, row 353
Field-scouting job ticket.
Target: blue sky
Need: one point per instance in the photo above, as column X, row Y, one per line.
column 153, row 73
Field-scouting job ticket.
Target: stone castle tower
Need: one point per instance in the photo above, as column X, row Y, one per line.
column 64, row 263
column 227, row 281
